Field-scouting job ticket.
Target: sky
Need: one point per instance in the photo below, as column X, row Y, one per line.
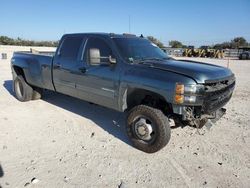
column 193, row 22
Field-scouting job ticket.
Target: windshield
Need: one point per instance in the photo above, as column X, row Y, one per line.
column 133, row 49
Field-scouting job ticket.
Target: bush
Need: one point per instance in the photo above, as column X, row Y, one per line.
column 4, row 40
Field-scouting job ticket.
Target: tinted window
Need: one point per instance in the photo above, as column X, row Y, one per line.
column 70, row 47
column 97, row 43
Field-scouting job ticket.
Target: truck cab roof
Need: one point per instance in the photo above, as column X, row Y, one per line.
column 111, row 35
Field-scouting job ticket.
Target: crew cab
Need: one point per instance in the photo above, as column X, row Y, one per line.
column 128, row 74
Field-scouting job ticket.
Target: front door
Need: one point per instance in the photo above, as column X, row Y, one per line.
column 100, row 81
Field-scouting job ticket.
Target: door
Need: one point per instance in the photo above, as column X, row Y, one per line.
column 99, row 84
column 66, row 65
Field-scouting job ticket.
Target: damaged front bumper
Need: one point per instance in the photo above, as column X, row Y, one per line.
column 189, row 116
column 216, row 94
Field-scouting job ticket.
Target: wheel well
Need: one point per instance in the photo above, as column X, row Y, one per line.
column 19, row 71
column 141, row 96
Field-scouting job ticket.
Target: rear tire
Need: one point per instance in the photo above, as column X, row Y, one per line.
column 156, row 137
column 37, row 93
column 23, row 91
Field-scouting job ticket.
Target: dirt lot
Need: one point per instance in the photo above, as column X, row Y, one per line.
column 65, row 142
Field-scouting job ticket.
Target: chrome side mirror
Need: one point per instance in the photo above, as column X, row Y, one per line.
column 94, row 56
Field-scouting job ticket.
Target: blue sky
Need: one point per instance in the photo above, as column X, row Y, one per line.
column 194, row 22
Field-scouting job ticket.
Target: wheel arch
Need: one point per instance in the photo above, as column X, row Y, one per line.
column 137, row 96
column 18, row 70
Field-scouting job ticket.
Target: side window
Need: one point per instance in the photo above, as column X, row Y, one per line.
column 97, row 51
column 70, row 48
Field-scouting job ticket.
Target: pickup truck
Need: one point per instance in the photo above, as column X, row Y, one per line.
column 131, row 75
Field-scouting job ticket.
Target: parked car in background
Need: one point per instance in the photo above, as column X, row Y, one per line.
column 244, row 53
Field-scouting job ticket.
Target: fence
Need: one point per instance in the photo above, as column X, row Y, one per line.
column 228, row 53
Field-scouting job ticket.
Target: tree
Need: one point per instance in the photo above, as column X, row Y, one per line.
column 235, row 43
column 223, row 45
column 155, row 41
column 4, row 40
column 238, row 41
column 176, row 44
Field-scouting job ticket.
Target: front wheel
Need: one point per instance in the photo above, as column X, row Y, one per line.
column 148, row 128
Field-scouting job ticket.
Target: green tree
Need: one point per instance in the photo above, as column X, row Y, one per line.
column 155, row 41
column 238, row 41
column 176, row 44
column 4, row 40
column 235, row 43
column 223, row 45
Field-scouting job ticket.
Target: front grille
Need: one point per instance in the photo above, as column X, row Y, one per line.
column 217, row 94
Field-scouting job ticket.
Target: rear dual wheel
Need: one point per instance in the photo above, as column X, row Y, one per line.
column 37, row 93
column 24, row 92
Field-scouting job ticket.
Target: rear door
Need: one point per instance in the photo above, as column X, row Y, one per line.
column 66, row 65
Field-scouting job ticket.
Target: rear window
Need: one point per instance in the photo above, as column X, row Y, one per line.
column 70, row 47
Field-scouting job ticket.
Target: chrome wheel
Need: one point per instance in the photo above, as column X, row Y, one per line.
column 143, row 129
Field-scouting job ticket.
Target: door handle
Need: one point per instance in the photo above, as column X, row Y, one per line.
column 57, row 66
column 82, row 69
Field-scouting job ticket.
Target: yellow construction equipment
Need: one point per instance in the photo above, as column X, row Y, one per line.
column 199, row 52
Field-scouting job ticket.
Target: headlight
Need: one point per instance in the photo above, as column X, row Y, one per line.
column 187, row 93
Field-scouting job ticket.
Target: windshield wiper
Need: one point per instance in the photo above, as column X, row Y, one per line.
column 169, row 58
column 145, row 60
column 152, row 58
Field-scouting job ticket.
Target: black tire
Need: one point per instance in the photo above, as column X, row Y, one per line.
column 23, row 91
column 37, row 93
column 161, row 131
column 243, row 56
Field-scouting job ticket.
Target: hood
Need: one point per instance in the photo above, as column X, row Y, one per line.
column 200, row 72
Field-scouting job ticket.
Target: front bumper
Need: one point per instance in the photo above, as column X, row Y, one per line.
column 216, row 94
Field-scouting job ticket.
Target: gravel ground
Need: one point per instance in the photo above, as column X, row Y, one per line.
column 60, row 141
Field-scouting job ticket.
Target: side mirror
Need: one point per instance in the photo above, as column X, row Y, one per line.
column 94, row 56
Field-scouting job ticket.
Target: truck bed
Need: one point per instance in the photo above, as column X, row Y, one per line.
column 37, row 68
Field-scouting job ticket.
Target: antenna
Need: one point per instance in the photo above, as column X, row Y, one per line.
column 129, row 24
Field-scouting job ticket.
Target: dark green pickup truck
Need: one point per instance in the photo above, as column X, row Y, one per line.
column 128, row 74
